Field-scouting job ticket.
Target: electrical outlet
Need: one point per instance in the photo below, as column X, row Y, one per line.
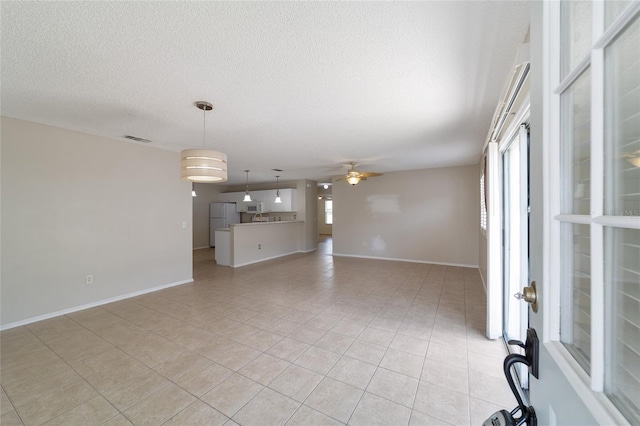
column 88, row 279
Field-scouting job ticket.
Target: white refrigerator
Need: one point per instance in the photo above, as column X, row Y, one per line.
column 221, row 215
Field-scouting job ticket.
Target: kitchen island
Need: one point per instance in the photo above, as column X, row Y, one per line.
column 246, row 243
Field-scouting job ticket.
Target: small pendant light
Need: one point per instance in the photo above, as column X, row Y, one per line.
column 247, row 197
column 278, row 200
column 193, row 190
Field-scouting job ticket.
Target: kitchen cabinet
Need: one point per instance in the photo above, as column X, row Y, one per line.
column 287, row 195
column 268, row 197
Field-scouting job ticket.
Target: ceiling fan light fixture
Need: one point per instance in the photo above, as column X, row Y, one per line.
column 353, row 180
column 354, row 176
column 632, row 157
column 203, row 165
column 193, row 190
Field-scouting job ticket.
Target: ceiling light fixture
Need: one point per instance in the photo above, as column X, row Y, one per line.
column 278, row 200
column 326, row 186
column 193, row 190
column 247, row 197
column 203, row 165
column 353, row 180
column 354, row 176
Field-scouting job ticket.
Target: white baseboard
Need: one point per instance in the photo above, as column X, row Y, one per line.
column 91, row 305
column 200, row 248
column 462, row 265
column 308, row 251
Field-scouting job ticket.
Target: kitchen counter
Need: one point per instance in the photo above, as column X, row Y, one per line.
column 247, row 243
column 279, row 222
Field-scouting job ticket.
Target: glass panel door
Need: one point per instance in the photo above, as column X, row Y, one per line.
column 515, row 190
column 515, row 233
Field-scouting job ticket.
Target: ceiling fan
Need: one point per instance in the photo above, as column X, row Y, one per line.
column 353, row 176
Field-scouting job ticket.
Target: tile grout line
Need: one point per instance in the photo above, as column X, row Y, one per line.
column 75, row 372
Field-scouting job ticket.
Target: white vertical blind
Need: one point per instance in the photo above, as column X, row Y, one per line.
column 622, row 198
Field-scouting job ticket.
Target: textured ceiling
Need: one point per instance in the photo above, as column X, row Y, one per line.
column 300, row 86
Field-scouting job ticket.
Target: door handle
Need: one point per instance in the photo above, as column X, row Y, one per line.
column 529, row 295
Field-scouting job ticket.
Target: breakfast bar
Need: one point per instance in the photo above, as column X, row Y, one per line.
column 246, row 243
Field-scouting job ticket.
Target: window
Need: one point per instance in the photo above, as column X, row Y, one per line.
column 328, row 212
column 598, row 196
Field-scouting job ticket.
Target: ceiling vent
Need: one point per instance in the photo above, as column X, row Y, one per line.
column 137, row 139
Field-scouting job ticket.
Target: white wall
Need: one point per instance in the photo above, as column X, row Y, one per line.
column 207, row 193
column 423, row 215
column 307, row 200
column 74, row 204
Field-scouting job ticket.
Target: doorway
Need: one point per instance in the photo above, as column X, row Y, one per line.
column 325, row 209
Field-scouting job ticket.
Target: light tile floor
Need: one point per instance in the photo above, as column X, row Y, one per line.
column 302, row 340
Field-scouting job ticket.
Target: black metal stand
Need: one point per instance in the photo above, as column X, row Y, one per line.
column 530, row 359
column 528, row 414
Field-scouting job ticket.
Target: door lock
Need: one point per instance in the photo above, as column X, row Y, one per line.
column 529, row 295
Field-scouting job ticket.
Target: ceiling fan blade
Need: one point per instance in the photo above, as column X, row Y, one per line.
column 370, row 174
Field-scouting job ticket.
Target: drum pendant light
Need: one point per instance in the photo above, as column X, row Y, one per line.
column 203, row 165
